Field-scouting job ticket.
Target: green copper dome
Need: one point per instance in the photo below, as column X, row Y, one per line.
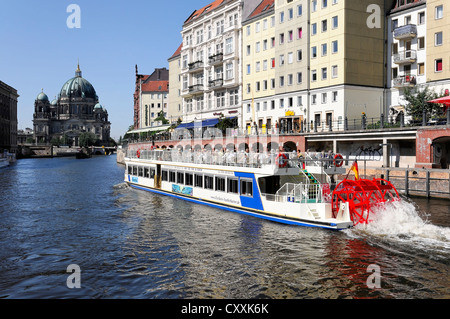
column 78, row 87
column 42, row 97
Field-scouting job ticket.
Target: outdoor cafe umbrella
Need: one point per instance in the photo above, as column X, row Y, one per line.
column 443, row 100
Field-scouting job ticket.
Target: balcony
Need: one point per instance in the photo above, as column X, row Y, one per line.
column 213, row 84
column 405, row 57
column 408, row 31
column 404, row 81
column 215, row 59
column 197, row 88
column 196, row 66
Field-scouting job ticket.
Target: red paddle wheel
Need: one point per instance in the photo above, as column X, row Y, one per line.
column 362, row 195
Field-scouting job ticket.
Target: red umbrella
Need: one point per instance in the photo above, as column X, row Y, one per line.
column 443, row 100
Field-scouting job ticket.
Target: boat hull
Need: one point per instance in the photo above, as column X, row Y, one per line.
column 334, row 225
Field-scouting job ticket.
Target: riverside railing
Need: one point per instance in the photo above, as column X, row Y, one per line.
column 420, row 182
column 288, row 128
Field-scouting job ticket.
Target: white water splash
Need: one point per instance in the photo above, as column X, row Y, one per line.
column 401, row 221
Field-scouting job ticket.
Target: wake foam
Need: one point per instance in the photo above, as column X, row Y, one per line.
column 401, row 221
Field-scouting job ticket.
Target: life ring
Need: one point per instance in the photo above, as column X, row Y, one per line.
column 338, row 160
column 284, row 163
column 138, row 153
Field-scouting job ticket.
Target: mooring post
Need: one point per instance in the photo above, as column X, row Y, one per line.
column 406, row 182
column 428, row 184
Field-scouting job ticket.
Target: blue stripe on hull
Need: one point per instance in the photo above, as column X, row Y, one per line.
column 231, row 209
column 254, row 202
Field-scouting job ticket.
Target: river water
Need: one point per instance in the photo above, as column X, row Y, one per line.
column 133, row 244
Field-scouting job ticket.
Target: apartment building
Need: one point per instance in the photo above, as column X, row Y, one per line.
column 438, row 45
column 407, row 51
column 154, row 91
column 292, row 62
column 347, row 58
column 8, row 118
column 175, row 101
column 211, row 64
column 259, row 67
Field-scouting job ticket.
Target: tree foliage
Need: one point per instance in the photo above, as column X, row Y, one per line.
column 416, row 101
column 87, row 139
column 224, row 123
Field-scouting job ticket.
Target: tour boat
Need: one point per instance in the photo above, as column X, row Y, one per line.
column 280, row 187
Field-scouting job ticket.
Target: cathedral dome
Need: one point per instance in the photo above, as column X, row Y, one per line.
column 78, row 87
column 42, row 97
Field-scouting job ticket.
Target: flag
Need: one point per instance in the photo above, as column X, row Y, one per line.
column 355, row 170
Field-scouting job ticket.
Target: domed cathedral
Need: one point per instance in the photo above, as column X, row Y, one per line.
column 74, row 111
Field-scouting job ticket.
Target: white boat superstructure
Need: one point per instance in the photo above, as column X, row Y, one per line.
column 275, row 186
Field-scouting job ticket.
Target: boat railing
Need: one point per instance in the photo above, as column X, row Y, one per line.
column 297, row 193
column 217, row 157
column 239, row 158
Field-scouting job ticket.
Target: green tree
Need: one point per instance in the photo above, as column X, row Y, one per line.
column 417, row 100
column 224, row 123
column 87, row 139
column 161, row 118
column 56, row 141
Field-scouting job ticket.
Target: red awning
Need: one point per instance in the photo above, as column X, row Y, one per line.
column 443, row 100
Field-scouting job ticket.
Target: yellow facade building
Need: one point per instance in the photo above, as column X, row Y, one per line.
column 438, row 44
column 259, row 67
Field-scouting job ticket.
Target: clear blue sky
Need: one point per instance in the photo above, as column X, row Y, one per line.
column 38, row 50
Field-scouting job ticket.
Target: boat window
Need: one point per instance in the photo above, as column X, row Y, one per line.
column 233, row 185
column 220, row 184
column 152, row 173
column 246, row 187
column 146, row 172
column 198, row 179
column 172, row 177
column 130, row 169
column 189, row 179
column 209, row 182
column 165, row 176
column 135, row 170
column 180, row 178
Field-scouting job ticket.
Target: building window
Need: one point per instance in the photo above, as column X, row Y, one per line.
column 229, row 46
column 421, row 17
column 421, row 67
column 324, row 26
column 438, row 38
column 314, row 29
column 314, row 52
column 334, row 71
column 421, row 43
column 334, row 46
column 324, row 73
column 439, row 13
column 324, row 49
column 438, row 65
column 335, row 22
column 230, row 73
